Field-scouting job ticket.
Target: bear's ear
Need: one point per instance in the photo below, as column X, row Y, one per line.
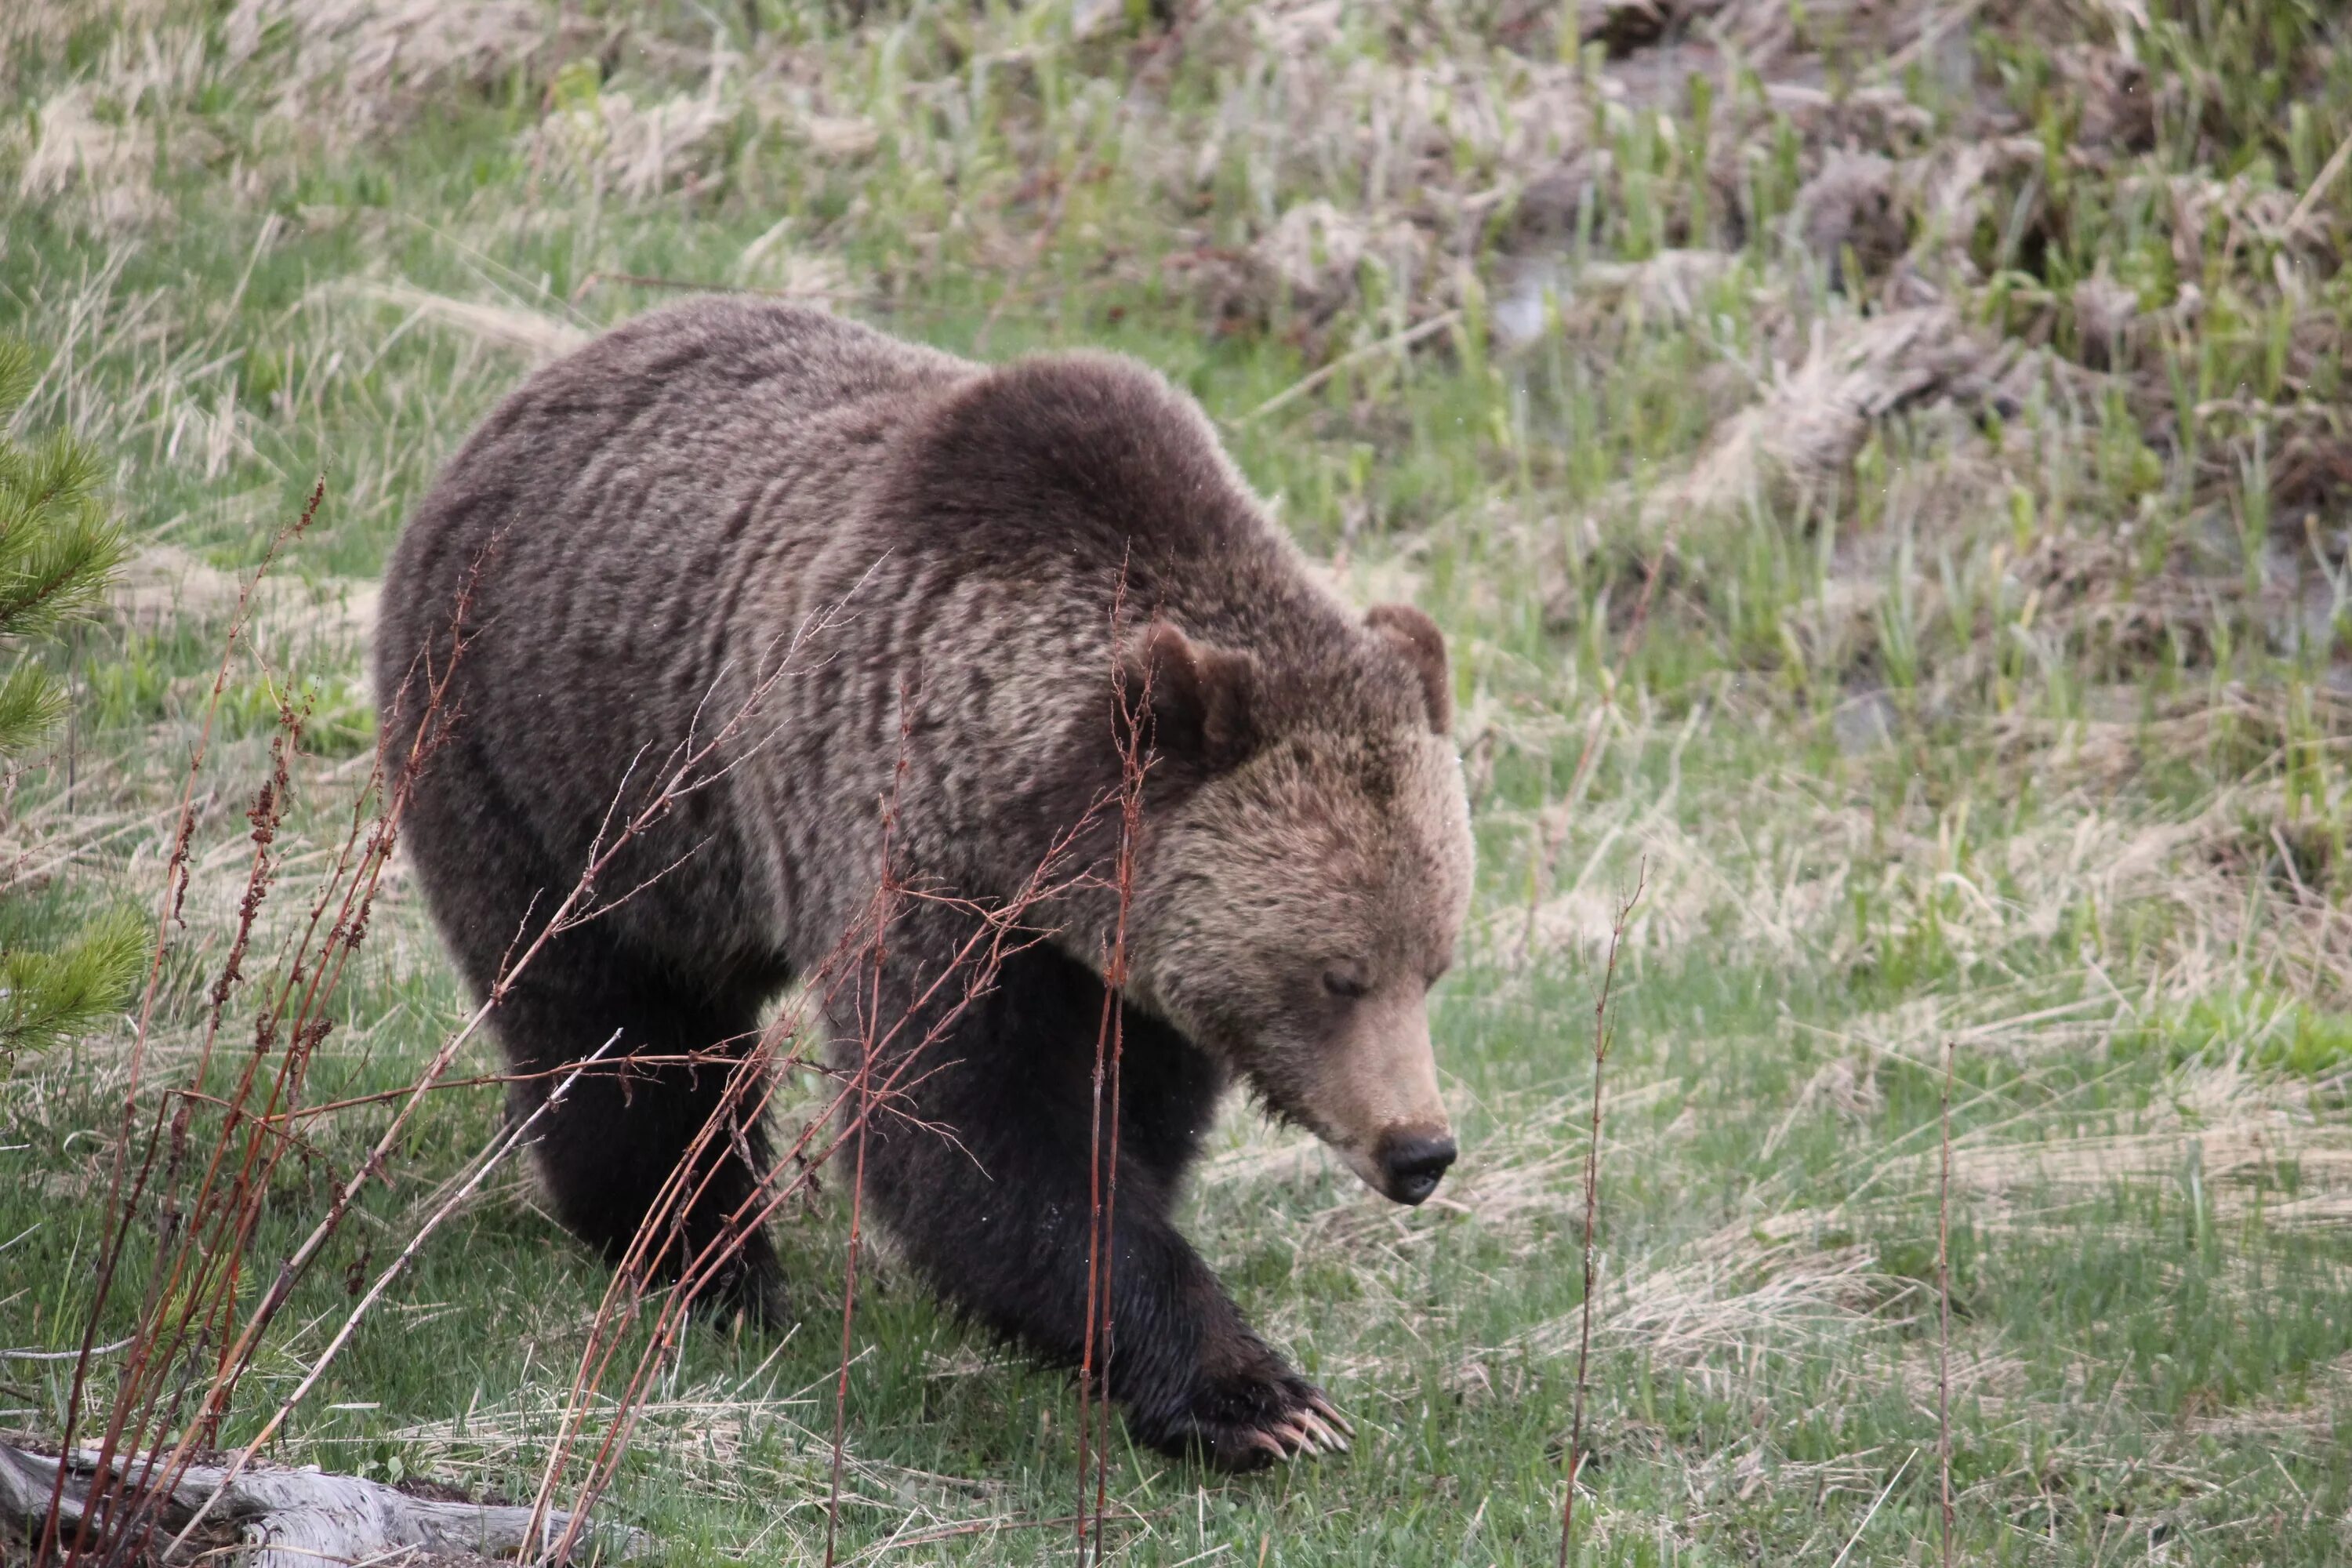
column 1416, row 636
column 1191, row 700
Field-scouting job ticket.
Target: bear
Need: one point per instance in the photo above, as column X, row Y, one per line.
column 914, row 607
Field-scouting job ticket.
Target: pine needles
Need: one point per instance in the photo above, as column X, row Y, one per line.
column 58, row 548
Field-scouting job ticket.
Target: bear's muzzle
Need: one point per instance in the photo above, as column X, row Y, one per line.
column 1412, row 1165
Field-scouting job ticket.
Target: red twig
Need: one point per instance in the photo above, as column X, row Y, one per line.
column 1601, row 1041
column 848, row 1314
column 878, row 956
column 115, row 1232
column 1944, row 1311
column 1102, row 1219
column 222, row 1230
column 999, row 932
column 503, row 1146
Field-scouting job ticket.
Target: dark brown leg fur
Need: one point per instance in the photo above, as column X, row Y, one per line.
column 624, row 1126
column 607, row 1150
column 998, row 1216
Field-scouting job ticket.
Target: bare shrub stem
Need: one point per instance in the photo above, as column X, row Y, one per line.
column 1110, row 1046
column 877, row 955
column 1601, row 1041
column 1944, row 1311
column 114, row 1233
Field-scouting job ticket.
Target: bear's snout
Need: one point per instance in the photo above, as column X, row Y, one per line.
column 1412, row 1165
column 1373, row 1098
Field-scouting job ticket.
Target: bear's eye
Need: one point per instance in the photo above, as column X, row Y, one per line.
column 1345, row 982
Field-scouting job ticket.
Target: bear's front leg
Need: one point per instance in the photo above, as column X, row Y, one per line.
column 982, row 1167
column 1231, row 1399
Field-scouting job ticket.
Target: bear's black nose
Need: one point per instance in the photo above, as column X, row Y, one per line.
column 1414, row 1165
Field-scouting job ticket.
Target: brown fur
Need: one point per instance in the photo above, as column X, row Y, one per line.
column 652, row 523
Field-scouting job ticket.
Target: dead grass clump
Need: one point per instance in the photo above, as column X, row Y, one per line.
column 2235, row 1142
column 1786, row 40
column 1847, row 1085
column 1980, row 1376
column 1800, row 442
column 1720, row 1303
column 2311, row 488
column 107, row 163
column 609, row 143
column 164, row 585
column 538, row 335
column 42, row 28
column 1781, row 868
column 1517, row 1179
column 1776, row 39
column 97, row 144
column 2107, row 322
column 1850, row 208
column 740, row 1443
column 1605, row 301
column 773, row 264
column 1579, row 921
column 2119, row 100
column 372, row 64
column 1309, row 267
column 724, row 1440
column 1392, row 131
column 2316, row 1417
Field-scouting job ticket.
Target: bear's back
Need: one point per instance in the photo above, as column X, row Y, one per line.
column 645, row 529
column 651, row 451
column 600, row 535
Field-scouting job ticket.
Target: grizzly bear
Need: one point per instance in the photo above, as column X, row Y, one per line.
column 952, row 601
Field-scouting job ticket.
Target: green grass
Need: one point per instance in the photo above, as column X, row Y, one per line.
column 2007, row 709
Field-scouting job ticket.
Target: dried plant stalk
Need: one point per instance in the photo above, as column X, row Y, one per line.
column 120, row 1207
column 1109, row 1048
column 1600, row 1040
column 1944, row 1311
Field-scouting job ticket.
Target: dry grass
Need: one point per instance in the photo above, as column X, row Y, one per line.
column 371, row 65
column 1798, row 444
column 536, row 335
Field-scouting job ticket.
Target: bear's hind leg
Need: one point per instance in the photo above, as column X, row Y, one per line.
column 608, row 1148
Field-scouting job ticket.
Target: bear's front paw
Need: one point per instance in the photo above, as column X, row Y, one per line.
column 1248, row 1421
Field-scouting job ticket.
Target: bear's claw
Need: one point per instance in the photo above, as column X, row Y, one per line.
column 1242, row 1427
column 1330, row 1413
column 1308, row 1433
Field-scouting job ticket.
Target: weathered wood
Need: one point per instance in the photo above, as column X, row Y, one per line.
column 289, row 1518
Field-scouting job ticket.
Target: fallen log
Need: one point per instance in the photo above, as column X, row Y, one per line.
column 279, row 1517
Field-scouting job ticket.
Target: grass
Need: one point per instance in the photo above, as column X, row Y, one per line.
column 1956, row 391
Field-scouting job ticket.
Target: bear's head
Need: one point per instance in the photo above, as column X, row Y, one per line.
column 1306, row 891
